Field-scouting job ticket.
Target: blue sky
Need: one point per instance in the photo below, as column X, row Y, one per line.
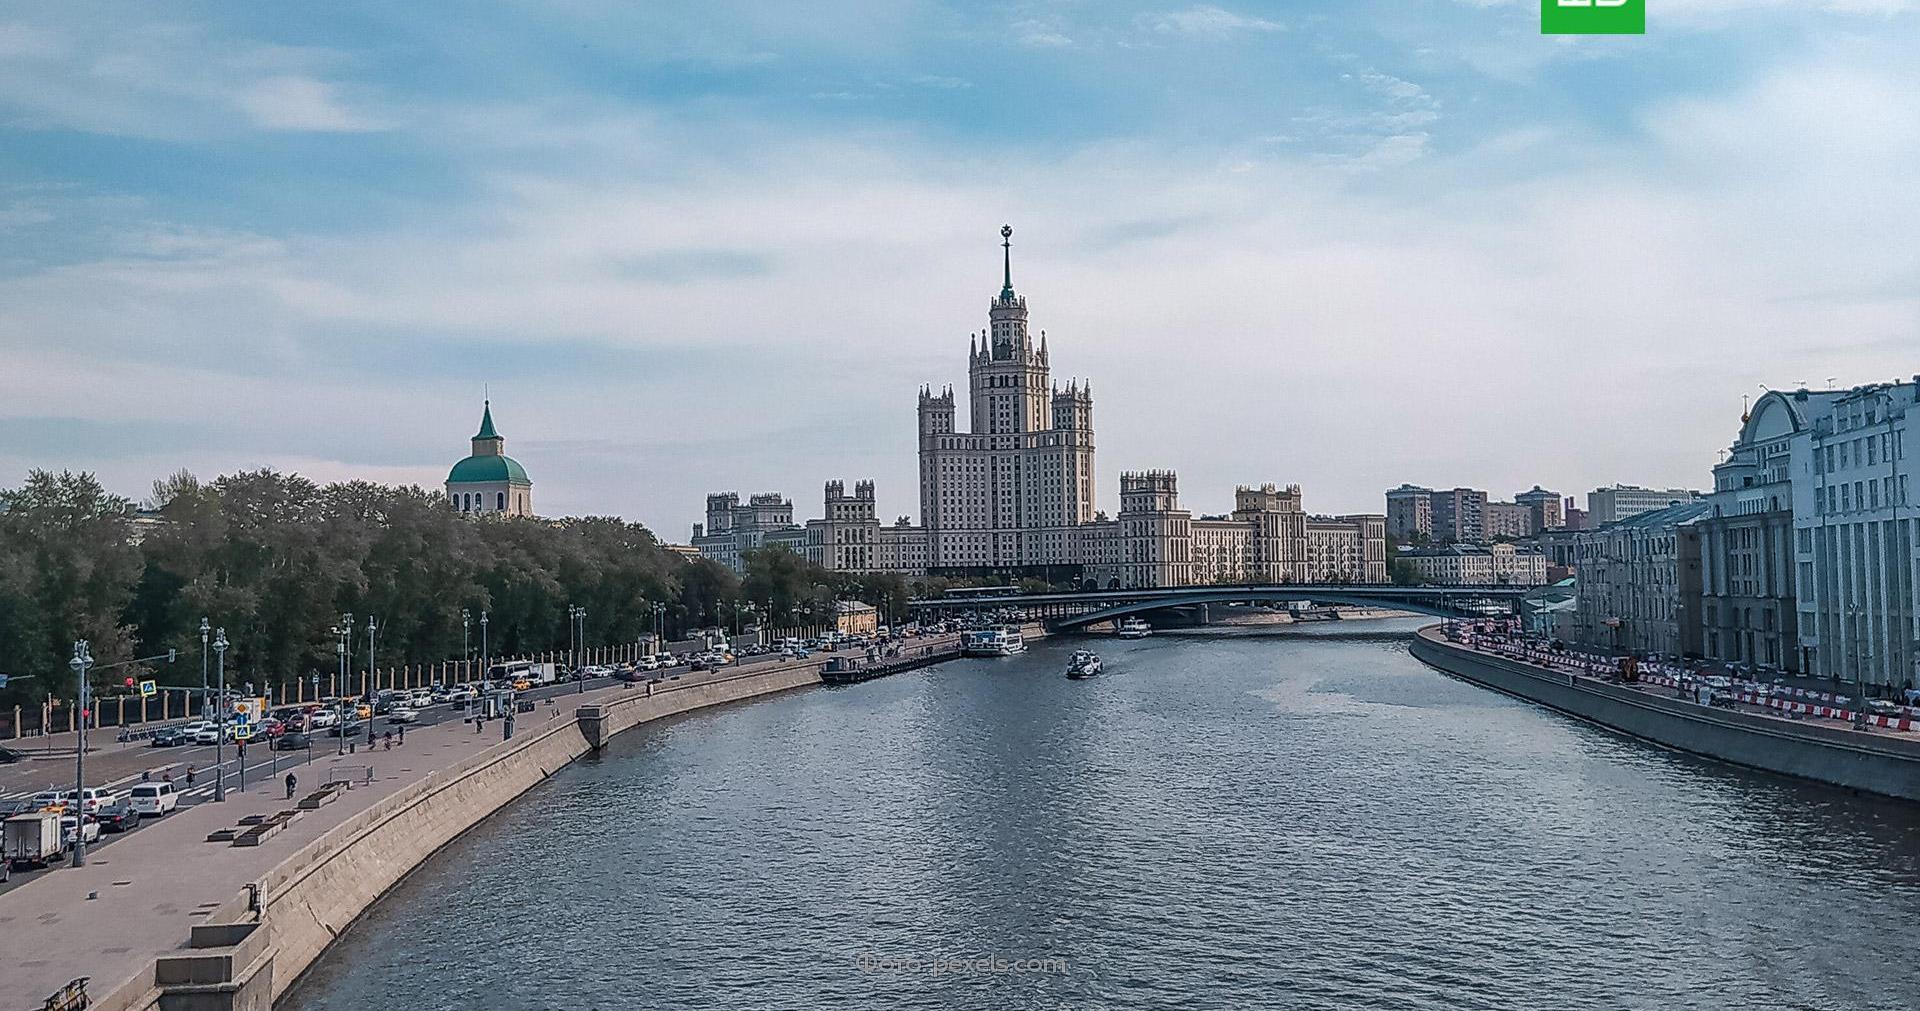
column 694, row 247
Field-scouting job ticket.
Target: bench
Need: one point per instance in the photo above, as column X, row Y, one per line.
column 351, row 775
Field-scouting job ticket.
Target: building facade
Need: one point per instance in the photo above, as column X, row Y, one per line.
column 1856, row 530
column 1544, row 509
column 1010, row 491
column 1506, row 519
column 1268, row 538
column 732, row 529
column 1747, row 601
column 1639, row 583
column 1476, row 565
column 1611, row 505
column 1459, row 514
column 1409, row 513
column 849, row 536
column 489, row 482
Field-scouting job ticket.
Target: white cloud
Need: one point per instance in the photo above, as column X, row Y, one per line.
column 300, row 103
column 1206, row 21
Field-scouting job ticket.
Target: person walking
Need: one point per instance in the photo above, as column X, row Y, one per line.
column 292, row 783
column 189, row 777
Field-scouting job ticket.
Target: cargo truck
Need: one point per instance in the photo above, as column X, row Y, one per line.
column 33, row 839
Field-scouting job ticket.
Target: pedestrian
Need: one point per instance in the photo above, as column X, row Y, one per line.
column 167, row 776
column 146, row 775
column 403, row 735
column 389, row 740
column 189, row 777
column 291, row 784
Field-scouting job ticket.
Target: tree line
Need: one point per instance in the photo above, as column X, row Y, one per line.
column 276, row 559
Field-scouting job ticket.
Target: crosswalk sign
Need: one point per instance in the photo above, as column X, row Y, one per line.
column 242, row 731
column 148, row 689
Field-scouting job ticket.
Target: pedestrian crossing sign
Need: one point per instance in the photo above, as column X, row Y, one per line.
column 148, row 689
column 242, row 731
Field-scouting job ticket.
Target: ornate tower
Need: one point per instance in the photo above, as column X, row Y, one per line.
column 1009, row 378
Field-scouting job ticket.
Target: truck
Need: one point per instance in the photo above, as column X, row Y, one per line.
column 524, row 673
column 33, row 839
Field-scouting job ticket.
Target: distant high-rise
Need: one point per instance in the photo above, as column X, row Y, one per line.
column 1409, row 513
column 1543, row 509
column 1610, row 505
column 1459, row 514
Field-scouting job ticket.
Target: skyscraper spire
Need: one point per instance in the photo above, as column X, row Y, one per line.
column 1006, row 252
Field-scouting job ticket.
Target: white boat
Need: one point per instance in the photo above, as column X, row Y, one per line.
column 1134, row 628
column 1003, row 641
column 1085, row 664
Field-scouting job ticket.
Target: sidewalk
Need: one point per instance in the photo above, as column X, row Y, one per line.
column 137, row 900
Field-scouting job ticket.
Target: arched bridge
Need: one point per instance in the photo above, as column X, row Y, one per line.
column 1063, row 611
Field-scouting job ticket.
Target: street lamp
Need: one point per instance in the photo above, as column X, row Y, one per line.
column 373, row 674
column 483, row 643
column 466, row 649
column 220, row 723
column 82, row 659
column 204, row 629
column 344, row 630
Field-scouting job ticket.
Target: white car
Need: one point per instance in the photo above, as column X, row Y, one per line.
column 464, row 693
column 420, row 699
column 403, row 714
column 320, row 719
column 90, row 830
column 93, row 798
column 154, row 798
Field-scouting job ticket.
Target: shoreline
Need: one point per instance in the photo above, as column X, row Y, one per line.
column 1880, row 764
column 270, row 917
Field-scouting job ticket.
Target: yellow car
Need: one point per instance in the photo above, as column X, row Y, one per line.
column 521, row 684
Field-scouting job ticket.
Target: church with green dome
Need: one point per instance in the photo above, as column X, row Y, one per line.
column 490, row 481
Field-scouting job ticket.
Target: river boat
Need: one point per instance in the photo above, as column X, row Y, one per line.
column 1303, row 610
column 1003, row 641
column 1084, row 664
column 1134, row 628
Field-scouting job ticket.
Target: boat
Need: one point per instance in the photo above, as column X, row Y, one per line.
column 1134, row 628
column 1003, row 641
column 1303, row 610
column 1084, row 664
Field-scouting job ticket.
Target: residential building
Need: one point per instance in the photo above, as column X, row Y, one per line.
column 850, row 537
column 1011, row 490
column 1610, row 505
column 1409, row 513
column 1639, row 582
column 1476, row 565
column 1505, row 519
column 732, row 530
column 1856, row 529
column 489, row 481
column 1544, row 509
column 1459, row 514
column 1574, row 517
column 1268, row 538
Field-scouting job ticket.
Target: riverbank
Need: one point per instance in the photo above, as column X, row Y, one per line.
column 1878, row 763
column 173, row 920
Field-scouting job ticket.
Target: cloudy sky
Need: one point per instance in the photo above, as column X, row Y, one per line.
column 719, row 245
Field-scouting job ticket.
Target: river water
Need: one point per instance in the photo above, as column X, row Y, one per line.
column 1302, row 820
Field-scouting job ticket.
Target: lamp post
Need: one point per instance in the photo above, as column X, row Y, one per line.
column 204, row 629
column 373, row 679
column 483, row 643
column 345, row 631
column 466, row 649
column 82, row 660
column 220, row 724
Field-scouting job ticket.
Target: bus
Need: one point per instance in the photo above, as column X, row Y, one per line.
column 972, row 592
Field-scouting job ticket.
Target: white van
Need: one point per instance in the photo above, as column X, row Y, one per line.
column 154, row 799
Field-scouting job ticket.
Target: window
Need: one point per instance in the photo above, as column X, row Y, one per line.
column 500, row 500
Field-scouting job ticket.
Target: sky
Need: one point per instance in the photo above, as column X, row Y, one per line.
column 694, row 247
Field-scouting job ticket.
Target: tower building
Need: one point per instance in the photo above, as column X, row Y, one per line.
column 490, row 481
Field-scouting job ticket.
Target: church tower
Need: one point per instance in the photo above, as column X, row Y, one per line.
column 489, row 481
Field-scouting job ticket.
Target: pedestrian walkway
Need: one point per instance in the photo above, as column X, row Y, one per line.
column 136, row 900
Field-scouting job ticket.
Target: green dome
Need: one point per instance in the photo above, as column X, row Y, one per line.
column 488, row 469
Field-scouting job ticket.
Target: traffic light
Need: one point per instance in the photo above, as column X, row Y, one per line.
column 129, row 682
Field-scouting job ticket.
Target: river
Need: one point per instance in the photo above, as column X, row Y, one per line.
column 1307, row 819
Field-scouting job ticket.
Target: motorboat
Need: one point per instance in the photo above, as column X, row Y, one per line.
column 1084, row 664
column 1134, row 628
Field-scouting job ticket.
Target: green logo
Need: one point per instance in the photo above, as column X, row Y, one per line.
column 1593, row 17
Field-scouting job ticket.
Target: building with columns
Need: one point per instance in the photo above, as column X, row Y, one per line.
column 489, row 482
column 1010, row 490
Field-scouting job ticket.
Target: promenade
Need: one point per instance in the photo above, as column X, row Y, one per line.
column 136, row 901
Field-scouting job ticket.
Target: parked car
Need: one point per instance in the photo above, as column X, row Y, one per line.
column 118, row 816
column 153, row 799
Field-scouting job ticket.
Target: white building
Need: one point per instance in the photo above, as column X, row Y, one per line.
column 850, row 537
column 1855, row 531
column 1476, row 565
column 1610, row 505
